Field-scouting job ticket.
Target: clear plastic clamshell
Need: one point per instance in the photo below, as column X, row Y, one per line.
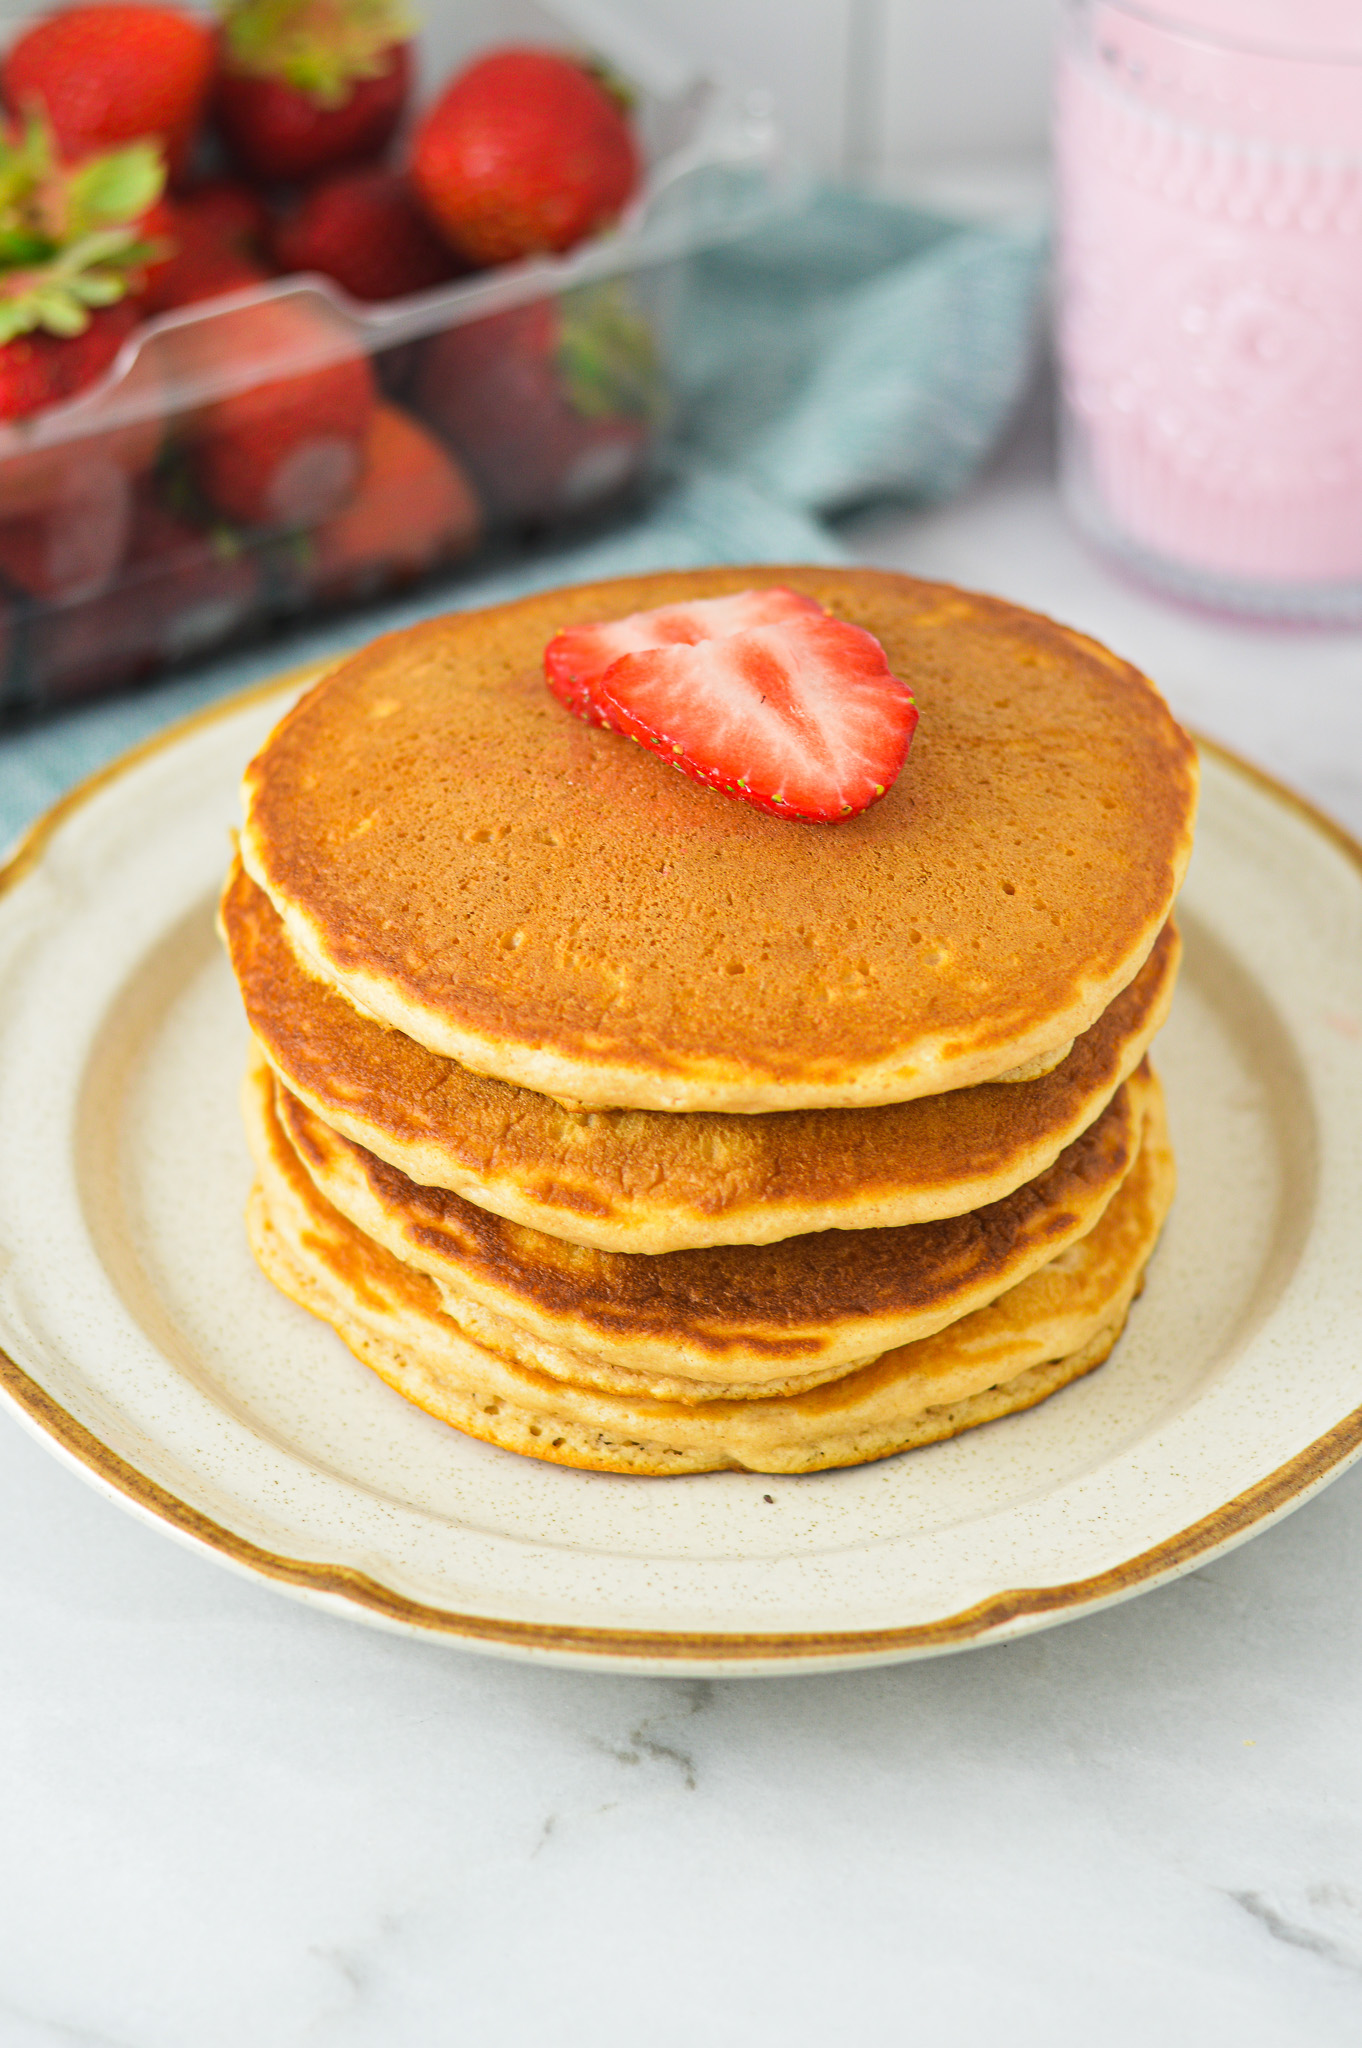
column 411, row 436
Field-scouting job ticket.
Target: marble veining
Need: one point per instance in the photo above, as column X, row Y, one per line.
column 1323, row 1901
column 646, row 1742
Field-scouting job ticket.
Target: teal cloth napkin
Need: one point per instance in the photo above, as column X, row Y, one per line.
column 858, row 350
column 853, row 351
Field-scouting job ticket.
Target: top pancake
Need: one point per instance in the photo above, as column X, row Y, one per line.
column 557, row 908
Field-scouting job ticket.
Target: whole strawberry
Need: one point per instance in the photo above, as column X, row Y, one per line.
column 180, row 591
column 288, row 448
column 364, row 229
column 412, row 509
column 306, row 86
column 72, row 254
column 551, row 406
column 526, row 152
column 75, row 543
column 112, row 74
column 218, row 233
column 225, row 211
column 38, row 369
column 202, row 270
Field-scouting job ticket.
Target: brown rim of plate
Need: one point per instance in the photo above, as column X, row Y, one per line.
column 1268, row 1498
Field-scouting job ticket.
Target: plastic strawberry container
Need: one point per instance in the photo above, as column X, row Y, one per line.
column 545, row 383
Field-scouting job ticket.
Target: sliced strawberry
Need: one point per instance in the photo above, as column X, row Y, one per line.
column 798, row 715
column 576, row 658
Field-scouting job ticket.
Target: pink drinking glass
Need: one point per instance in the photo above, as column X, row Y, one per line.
column 1210, row 301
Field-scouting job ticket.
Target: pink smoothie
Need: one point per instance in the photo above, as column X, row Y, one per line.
column 1210, row 319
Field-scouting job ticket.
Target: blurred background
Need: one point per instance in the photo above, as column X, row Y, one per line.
column 855, row 362
column 951, row 95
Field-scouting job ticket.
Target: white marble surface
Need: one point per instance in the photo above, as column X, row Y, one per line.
column 225, row 1819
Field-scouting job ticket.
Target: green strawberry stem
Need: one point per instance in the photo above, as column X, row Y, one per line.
column 611, row 82
column 607, row 356
column 319, row 47
column 70, row 234
column 59, row 296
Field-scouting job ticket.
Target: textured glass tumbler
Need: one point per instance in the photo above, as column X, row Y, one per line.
column 1210, row 305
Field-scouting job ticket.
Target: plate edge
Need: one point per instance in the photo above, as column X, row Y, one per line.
column 1008, row 1611
column 1288, row 1485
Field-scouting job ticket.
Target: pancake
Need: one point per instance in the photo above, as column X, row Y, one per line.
column 749, row 1316
column 1049, row 1329
column 554, row 907
column 1032, row 1069
column 647, row 1181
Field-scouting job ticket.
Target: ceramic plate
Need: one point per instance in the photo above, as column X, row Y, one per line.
column 141, row 1343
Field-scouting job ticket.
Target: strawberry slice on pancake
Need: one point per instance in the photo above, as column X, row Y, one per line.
column 764, row 696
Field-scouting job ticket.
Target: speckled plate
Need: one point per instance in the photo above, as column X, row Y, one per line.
column 142, row 1345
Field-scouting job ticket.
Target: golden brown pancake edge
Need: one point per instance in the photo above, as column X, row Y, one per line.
column 743, row 1314
column 549, row 905
column 647, row 1181
column 391, row 1318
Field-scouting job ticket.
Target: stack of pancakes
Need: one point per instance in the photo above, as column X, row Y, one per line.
column 624, row 1124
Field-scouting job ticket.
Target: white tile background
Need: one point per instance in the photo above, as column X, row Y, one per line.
column 881, row 85
column 888, row 86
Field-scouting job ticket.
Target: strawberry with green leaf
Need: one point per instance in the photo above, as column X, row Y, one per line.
column 74, row 251
column 551, row 406
column 306, row 86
